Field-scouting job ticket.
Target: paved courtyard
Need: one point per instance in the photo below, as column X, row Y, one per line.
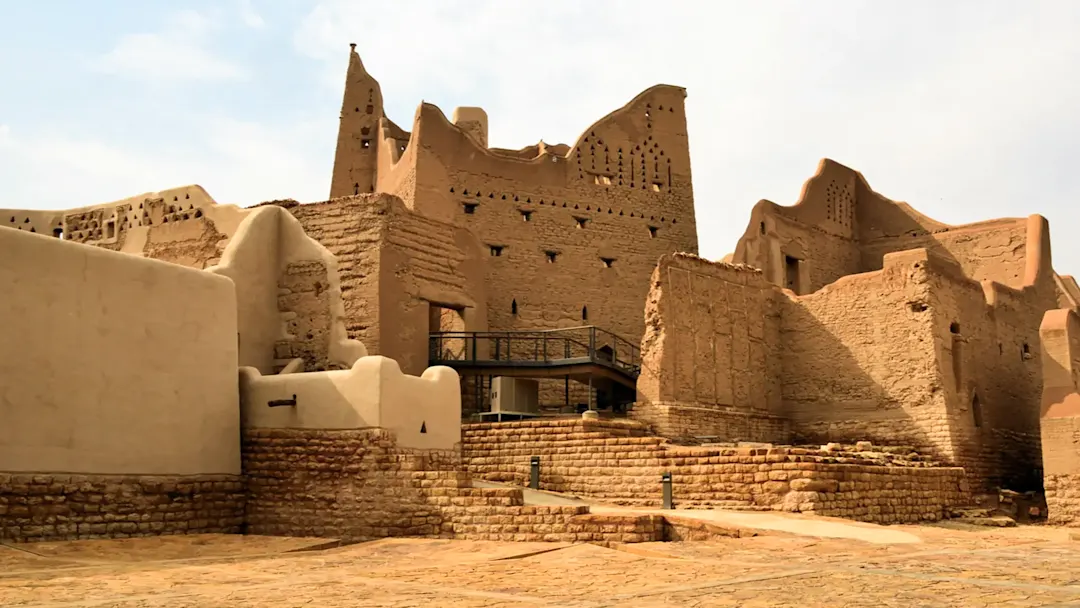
column 971, row 567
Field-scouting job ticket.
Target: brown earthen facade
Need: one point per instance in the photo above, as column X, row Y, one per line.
column 845, row 320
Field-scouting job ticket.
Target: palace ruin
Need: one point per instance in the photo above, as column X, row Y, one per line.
column 378, row 363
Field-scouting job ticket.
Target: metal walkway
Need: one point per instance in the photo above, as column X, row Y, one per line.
column 587, row 354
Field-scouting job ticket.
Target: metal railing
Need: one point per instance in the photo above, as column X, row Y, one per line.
column 587, row 344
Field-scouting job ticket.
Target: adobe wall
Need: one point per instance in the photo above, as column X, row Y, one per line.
column 819, row 231
column 841, row 226
column 422, row 412
column 288, row 295
column 1060, row 424
column 620, row 462
column 988, row 354
column 98, row 341
column 395, row 264
column 711, row 353
column 859, row 359
column 572, row 238
column 287, row 285
column 181, row 225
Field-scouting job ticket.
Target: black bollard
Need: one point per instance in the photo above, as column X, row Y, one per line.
column 665, row 481
column 534, row 473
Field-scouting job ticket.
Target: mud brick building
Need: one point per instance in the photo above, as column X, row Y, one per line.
column 306, row 368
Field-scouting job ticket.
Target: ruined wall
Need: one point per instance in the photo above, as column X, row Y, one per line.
column 988, row 353
column 620, row 462
column 840, row 226
column 859, row 360
column 289, row 301
column 712, row 345
column 986, row 251
column 1060, row 424
column 812, row 243
column 97, row 341
column 394, row 265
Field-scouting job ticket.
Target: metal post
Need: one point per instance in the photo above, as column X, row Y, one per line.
column 665, row 481
column 566, row 391
column 534, row 473
column 590, row 393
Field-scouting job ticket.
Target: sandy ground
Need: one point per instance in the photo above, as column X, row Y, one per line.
column 947, row 566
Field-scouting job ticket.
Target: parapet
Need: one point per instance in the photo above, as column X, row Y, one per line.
column 423, row 412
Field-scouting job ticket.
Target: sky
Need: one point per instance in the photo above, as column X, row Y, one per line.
column 968, row 110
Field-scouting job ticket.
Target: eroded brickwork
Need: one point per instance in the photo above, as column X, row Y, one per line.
column 621, row 462
column 42, row 507
column 303, row 300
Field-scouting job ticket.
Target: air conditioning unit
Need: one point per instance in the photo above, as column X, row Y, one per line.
column 515, row 395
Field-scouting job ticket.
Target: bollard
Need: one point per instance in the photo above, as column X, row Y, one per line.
column 534, row 473
column 665, row 481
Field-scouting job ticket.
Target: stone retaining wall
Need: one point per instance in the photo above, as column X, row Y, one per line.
column 620, row 462
column 686, row 422
column 1063, row 499
column 358, row 485
column 40, row 507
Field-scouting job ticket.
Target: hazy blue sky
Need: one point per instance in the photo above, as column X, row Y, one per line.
column 966, row 109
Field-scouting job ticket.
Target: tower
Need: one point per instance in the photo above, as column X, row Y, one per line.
column 356, row 159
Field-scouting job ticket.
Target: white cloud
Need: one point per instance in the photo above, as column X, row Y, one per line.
column 237, row 162
column 176, row 53
column 964, row 109
column 249, row 16
column 959, row 108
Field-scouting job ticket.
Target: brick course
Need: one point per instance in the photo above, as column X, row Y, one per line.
column 358, row 485
column 620, row 462
column 49, row 507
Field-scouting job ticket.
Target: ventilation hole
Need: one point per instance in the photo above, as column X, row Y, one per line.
column 365, row 143
column 584, row 313
column 954, row 327
column 762, row 228
column 513, row 307
column 917, row 306
column 423, row 427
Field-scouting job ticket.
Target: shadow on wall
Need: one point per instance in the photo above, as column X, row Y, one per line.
column 423, row 412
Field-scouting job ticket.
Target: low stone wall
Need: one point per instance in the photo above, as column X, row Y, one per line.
column 620, row 462
column 41, row 507
column 1063, row 500
column 358, row 485
column 685, row 422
